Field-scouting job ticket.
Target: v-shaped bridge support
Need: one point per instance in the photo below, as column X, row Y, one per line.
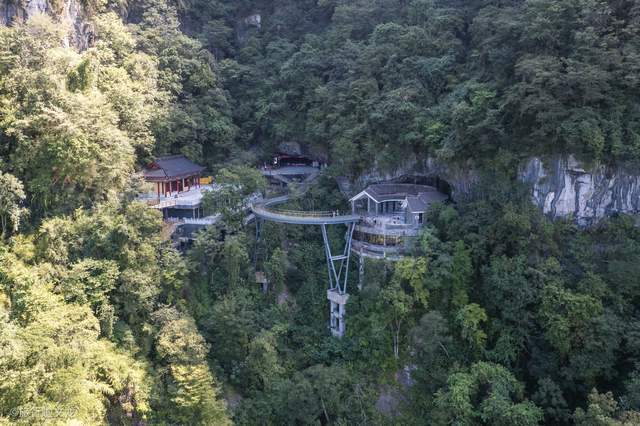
column 338, row 265
column 338, row 268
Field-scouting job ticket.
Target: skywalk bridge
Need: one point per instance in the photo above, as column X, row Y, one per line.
column 337, row 264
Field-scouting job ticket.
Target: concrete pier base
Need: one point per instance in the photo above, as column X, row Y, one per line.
column 337, row 311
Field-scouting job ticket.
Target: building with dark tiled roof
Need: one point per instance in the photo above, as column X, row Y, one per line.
column 392, row 213
column 173, row 174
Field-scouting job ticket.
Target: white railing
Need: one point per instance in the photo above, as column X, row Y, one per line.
column 209, row 220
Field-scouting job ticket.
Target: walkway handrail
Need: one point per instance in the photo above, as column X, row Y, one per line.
column 300, row 213
column 263, row 208
column 302, row 217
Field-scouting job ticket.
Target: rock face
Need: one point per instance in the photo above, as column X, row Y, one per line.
column 562, row 187
column 68, row 12
column 246, row 26
column 459, row 178
column 254, row 20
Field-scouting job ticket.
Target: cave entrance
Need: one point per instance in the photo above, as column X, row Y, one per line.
column 435, row 181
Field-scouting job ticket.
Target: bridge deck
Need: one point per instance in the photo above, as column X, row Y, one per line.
column 301, row 217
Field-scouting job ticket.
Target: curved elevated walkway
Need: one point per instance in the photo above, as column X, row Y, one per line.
column 264, row 211
column 337, row 265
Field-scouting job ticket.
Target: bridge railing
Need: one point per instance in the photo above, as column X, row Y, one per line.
column 298, row 213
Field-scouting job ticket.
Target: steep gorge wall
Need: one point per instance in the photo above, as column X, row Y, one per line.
column 65, row 12
column 562, row 187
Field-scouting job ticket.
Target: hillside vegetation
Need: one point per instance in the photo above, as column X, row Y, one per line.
column 500, row 316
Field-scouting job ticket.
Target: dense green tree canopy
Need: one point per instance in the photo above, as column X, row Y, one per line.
column 498, row 315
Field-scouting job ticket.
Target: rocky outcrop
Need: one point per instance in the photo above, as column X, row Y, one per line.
column 254, row 20
column 66, row 12
column 246, row 26
column 459, row 178
column 562, row 187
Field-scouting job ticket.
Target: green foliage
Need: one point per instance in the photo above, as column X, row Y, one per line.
column 380, row 82
column 499, row 316
column 314, row 395
column 461, row 275
column 276, row 268
column 185, row 374
column 435, row 350
column 486, row 393
column 263, row 361
column 403, row 296
column 196, row 122
column 64, row 130
column 566, row 316
column 11, row 198
column 470, row 319
column 236, row 186
column 603, row 410
column 53, row 360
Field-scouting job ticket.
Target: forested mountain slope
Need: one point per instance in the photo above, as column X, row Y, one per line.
column 365, row 80
column 500, row 316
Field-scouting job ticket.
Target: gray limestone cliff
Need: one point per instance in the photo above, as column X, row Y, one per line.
column 562, row 187
column 65, row 12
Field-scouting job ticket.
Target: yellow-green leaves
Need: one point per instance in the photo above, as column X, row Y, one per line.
column 566, row 316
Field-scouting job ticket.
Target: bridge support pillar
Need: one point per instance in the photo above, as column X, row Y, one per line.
column 259, row 225
column 337, row 311
column 360, row 270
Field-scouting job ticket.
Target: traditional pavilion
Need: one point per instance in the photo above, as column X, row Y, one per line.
column 173, row 174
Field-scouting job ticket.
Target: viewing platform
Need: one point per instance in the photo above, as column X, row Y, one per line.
column 189, row 199
column 392, row 215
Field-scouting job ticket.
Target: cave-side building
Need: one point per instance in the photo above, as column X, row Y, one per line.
column 392, row 215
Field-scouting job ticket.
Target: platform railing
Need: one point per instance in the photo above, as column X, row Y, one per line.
column 299, row 213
